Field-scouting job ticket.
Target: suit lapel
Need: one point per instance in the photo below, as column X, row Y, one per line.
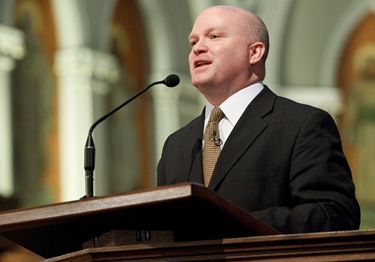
column 193, row 150
column 248, row 128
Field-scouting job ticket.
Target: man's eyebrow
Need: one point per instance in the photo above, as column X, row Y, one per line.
column 191, row 37
column 208, row 30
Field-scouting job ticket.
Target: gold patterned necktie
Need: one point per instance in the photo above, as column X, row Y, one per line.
column 212, row 143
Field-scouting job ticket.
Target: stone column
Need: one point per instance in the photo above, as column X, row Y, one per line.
column 11, row 49
column 84, row 78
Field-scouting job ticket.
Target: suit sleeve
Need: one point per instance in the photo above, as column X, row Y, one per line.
column 320, row 183
column 161, row 169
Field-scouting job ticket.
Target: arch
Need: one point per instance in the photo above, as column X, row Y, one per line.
column 157, row 28
column 344, row 26
column 276, row 17
column 72, row 32
column 33, row 105
column 168, row 46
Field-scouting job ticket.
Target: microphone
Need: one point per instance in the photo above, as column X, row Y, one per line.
column 171, row 80
column 217, row 140
column 89, row 158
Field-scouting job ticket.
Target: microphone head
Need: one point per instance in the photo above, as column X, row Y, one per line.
column 171, row 80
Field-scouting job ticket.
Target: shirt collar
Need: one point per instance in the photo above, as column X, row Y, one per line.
column 236, row 104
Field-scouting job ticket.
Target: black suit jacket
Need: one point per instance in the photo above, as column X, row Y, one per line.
column 283, row 162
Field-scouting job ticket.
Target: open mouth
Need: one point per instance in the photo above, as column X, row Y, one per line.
column 201, row 63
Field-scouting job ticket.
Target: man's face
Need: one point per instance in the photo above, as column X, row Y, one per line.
column 219, row 55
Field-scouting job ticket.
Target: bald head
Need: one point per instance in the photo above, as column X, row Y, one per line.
column 250, row 25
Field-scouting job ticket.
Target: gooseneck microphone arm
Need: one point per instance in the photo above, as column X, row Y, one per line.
column 89, row 157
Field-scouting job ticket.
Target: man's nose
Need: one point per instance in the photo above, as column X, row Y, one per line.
column 199, row 47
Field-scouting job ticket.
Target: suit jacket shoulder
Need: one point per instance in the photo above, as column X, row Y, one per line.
column 182, row 155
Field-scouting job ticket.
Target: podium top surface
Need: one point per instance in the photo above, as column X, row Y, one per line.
column 190, row 210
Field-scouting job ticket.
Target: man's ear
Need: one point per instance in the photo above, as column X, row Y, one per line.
column 256, row 52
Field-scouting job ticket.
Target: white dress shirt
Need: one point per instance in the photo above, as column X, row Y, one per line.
column 233, row 109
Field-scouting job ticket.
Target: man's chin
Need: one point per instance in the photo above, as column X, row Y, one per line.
column 201, row 82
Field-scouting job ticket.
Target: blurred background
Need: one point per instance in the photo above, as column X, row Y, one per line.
column 65, row 63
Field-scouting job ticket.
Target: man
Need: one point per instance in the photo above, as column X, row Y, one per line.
column 280, row 160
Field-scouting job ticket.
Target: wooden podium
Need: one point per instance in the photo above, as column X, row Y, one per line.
column 186, row 212
column 185, row 222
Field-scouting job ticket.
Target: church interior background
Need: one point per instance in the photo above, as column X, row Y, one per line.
column 63, row 64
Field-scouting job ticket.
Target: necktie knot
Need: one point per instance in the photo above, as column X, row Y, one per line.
column 216, row 115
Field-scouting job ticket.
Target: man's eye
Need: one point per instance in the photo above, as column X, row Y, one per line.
column 214, row 36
